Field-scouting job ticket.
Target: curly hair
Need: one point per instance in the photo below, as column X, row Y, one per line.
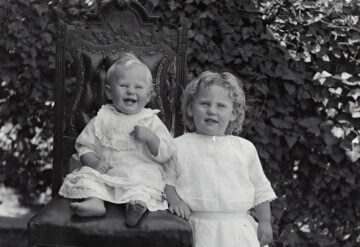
column 225, row 80
column 127, row 60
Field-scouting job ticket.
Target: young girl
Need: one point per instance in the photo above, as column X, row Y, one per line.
column 215, row 177
column 122, row 149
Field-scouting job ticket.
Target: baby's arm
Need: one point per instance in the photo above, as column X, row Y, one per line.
column 159, row 141
column 91, row 160
column 176, row 205
column 147, row 136
column 263, row 214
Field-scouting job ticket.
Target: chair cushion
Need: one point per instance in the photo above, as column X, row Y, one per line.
column 55, row 225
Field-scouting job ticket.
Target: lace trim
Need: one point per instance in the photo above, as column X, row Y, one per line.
column 153, row 204
column 77, row 177
column 113, row 128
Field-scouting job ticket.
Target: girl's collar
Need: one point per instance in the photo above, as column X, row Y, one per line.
column 208, row 137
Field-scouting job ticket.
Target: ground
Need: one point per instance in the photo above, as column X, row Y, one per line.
column 13, row 232
column 13, row 219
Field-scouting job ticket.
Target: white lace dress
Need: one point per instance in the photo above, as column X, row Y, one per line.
column 220, row 178
column 136, row 174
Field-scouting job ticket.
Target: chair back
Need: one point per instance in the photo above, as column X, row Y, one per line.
column 84, row 52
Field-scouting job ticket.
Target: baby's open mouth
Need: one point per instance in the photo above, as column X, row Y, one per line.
column 129, row 100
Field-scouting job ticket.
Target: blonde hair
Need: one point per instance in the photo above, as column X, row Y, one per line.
column 126, row 61
column 225, row 80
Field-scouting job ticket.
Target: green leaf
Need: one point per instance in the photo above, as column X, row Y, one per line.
column 199, row 38
column 350, row 178
column 314, row 158
column 337, row 156
column 310, row 121
column 189, row 9
column 47, row 37
column 329, row 139
column 291, row 140
column 172, row 5
column 290, row 88
column 156, row 2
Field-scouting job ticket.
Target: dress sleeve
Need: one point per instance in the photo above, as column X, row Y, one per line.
column 166, row 146
column 85, row 143
column 263, row 189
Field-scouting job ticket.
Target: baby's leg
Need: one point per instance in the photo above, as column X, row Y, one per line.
column 134, row 212
column 89, row 207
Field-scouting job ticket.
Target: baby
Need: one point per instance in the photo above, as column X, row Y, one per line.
column 122, row 149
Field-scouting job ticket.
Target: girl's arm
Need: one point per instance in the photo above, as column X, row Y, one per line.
column 263, row 195
column 263, row 214
column 176, row 205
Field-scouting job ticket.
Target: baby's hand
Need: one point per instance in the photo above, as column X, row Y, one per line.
column 103, row 166
column 142, row 133
column 181, row 209
column 265, row 233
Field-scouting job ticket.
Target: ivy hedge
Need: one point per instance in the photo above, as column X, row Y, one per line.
column 300, row 65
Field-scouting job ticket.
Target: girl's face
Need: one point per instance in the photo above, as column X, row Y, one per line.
column 212, row 110
column 130, row 91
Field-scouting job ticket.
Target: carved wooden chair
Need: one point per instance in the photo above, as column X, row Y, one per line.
column 90, row 47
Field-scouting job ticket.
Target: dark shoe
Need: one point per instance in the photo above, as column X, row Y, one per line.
column 134, row 213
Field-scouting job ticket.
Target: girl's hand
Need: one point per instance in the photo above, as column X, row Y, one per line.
column 102, row 166
column 181, row 209
column 265, row 233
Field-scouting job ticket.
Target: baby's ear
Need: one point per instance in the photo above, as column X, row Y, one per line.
column 150, row 95
column 108, row 92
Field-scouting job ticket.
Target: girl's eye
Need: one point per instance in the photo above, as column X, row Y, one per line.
column 204, row 103
column 221, row 105
column 138, row 87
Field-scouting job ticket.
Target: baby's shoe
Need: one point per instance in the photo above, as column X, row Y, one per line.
column 134, row 212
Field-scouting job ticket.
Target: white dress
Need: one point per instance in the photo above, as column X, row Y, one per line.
column 220, row 178
column 135, row 174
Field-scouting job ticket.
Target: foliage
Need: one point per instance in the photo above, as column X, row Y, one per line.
column 322, row 37
column 27, row 51
column 300, row 66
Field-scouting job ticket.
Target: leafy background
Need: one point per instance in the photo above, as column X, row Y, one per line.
column 299, row 61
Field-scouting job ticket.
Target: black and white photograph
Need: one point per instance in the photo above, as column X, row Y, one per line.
column 168, row 123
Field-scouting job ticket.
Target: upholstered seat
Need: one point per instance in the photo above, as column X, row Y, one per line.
column 85, row 50
column 55, row 225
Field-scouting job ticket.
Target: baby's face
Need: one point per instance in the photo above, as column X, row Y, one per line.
column 130, row 92
column 212, row 110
